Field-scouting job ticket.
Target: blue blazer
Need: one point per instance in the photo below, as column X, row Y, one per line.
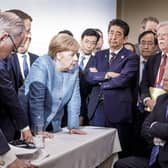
column 14, row 69
column 47, row 91
column 117, row 92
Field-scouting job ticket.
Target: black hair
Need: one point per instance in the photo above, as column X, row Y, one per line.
column 120, row 23
column 66, row 32
column 90, row 32
column 145, row 33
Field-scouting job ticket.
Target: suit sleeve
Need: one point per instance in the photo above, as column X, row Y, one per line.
column 158, row 129
column 74, row 106
column 3, row 144
column 94, row 77
column 10, row 99
column 127, row 73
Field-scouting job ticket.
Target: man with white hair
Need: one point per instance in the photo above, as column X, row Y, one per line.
column 12, row 117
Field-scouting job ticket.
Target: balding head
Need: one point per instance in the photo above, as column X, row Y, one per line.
column 12, row 32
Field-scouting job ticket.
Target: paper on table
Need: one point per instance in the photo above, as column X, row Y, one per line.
column 22, row 151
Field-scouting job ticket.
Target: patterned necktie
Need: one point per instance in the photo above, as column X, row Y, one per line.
column 25, row 66
column 154, row 153
column 112, row 57
column 161, row 71
column 81, row 65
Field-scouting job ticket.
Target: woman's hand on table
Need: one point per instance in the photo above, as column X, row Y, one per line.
column 48, row 135
column 77, row 131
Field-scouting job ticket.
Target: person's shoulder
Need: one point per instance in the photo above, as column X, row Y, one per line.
column 102, row 53
column 33, row 55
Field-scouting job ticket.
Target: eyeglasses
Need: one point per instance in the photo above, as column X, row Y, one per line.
column 147, row 43
column 14, row 45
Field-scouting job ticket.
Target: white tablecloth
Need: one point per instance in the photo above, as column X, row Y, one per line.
column 99, row 147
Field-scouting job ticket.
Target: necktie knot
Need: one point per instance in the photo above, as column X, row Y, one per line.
column 112, row 57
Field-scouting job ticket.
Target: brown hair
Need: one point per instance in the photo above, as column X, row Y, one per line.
column 62, row 42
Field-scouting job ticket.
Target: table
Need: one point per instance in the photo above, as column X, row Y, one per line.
column 98, row 148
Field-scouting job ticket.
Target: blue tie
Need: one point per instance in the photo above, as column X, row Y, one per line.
column 154, row 153
column 25, row 66
column 81, row 65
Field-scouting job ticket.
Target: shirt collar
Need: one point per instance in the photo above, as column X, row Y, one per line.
column 116, row 52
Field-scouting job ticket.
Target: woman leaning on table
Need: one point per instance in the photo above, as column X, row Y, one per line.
column 51, row 84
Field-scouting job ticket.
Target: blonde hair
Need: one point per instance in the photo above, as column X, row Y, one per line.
column 62, row 42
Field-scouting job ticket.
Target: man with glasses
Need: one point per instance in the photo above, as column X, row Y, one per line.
column 147, row 44
column 155, row 67
column 12, row 116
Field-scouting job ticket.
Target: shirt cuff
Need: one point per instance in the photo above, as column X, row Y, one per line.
column 8, row 158
column 25, row 128
column 153, row 124
column 146, row 99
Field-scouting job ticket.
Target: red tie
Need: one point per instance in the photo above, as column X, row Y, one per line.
column 161, row 71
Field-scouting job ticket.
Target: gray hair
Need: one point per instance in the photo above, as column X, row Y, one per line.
column 162, row 24
column 11, row 23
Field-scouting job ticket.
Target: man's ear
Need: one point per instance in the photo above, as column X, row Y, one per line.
column 3, row 35
column 125, row 39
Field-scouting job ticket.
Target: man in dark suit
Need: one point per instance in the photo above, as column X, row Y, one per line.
column 154, row 70
column 147, row 44
column 154, row 130
column 111, row 74
column 19, row 63
column 11, row 36
column 89, row 39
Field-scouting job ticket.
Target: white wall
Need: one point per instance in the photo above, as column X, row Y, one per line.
column 51, row 16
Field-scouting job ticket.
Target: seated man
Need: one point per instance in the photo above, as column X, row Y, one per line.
column 154, row 130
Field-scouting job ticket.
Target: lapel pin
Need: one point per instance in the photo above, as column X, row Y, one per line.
column 122, row 57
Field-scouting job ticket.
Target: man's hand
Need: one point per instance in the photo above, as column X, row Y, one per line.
column 110, row 75
column 20, row 164
column 150, row 103
column 77, row 131
column 27, row 135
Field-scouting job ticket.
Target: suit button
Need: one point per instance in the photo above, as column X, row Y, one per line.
column 2, row 163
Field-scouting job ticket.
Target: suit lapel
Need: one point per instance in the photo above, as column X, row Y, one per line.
column 118, row 58
column 156, row 66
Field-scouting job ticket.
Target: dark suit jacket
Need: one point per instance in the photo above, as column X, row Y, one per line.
column 14, row 69
column 160, row 129
column 85, row 89
column 117, row 92
column 12, row 116
column 3, row 144
column 150, row 74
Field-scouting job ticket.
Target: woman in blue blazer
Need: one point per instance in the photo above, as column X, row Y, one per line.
column 52, row 83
